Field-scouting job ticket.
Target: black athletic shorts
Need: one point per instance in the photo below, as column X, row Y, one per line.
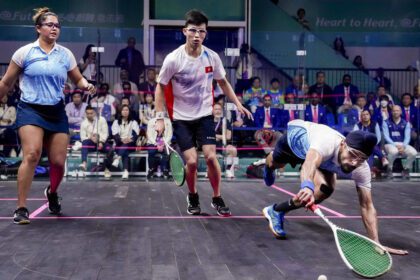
column 194, row 133
column 283, row 154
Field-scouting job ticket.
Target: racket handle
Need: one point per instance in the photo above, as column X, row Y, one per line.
column 313, row 207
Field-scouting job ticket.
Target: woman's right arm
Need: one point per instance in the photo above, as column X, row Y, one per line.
column 9, row 79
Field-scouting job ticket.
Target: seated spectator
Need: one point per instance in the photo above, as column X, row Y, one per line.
column 315, row 112
column 8, row 137
column 371, row 102
column 253, row 96
column 94, row 134
column 382, row 80
column 276, row 93
column 346, row 92
column 239, row 121
column 124, row 131
column 147, row 110
column 149, row 85
column 296, row 86
column 266, row 116
column 380, row 90
column 87, row 64
column 397, row 135
column 347, row 118
column 366, row 124
column 339, row 48
column 416, row 96
column 357, row 61
column 158, row 156
column 411, row 115
column 324, row 91
column 223, row 132
column 383, row 112
column 75, row 111
column 360, row 105
column 121, row 89
column 291, row 110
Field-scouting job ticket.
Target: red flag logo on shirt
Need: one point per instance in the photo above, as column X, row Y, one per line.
column 208, row 69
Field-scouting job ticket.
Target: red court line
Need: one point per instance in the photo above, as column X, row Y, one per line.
column 320, row 206
column 38, row 211
column 14, row 199
column 198, row 217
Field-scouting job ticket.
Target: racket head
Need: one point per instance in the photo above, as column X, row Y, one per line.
column 364, row 256
column 177, row 168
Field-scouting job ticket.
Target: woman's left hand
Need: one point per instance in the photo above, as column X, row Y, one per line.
column 91, row 88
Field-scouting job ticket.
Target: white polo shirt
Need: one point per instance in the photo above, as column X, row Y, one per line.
column 188, row 80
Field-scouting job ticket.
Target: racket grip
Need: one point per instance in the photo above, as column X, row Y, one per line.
column 313, row 207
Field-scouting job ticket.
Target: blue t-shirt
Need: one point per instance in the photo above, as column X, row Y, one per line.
column 43, row 74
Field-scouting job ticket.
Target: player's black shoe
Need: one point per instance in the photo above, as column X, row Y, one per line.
column 193, row 204
column 21, row 216
column 220, row 206
column 54, row 206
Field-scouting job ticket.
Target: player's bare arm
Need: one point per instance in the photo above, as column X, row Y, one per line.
column 9, row 79
column 306, row 194
column 159, row 105
column 370, row 219
column 228, row 91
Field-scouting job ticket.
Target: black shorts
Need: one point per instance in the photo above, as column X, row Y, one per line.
column 283, row 154
column 196, row 133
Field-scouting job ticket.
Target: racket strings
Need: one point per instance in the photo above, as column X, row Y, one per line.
column 177, row 168
column 365, row 257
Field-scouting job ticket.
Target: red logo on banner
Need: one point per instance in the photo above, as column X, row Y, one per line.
column 208, row 69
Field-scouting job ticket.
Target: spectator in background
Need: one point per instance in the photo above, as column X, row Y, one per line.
column 149, row 85
column 300, row 17
column 411, row 115
column 347, row 118
column 276, row 93
column 105, row 102
column 383, row 112
column 244, row 65
column 93, row 134
column 371, row 102
column 147, row 110
column 416, row 96
column 357, row 61
column 131, row 94
column 346, row 92
column 8, row 137
column 290, row 111
column 266, row 116
column 118, row 89
column 75, row 111
column 366, row 124
column 360, row 105
column 380, row 90
column 339, row 48
column 131, row 59
column 124, row 131
column 254, row 95
column 382, row 80
column 325, row 92
column 87, row 64
column 397, row 135
column 315, row 112
column 223, row 132
column 157, row 154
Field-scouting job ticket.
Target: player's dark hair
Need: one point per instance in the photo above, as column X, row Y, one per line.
column 195, row 17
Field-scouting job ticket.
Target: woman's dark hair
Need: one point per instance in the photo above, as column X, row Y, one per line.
column 129, row 118
column 195, row 17
column 41, row 14
column 86, row 54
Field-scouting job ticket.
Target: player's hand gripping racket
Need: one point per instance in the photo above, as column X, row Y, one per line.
column 364, row 256
column 176, row 164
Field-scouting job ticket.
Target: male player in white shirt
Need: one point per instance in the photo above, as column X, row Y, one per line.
column 185, row 83
column 323, row 153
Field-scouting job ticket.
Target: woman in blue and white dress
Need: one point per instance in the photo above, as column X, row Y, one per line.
column 42, row 68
